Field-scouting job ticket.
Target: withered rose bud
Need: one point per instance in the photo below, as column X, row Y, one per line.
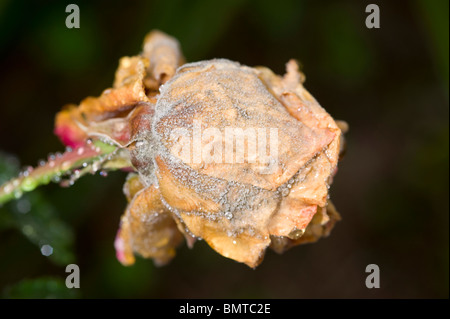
column 235, row 155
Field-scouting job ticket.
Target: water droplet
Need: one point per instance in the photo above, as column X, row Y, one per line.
column 66, row 165
column 28, row 184
column 45, row 179
column 46, row 250
column 85, row 164
column 95, row 166
column 69, row 149
column 139, row 144
column 228, row 215
column 103, row 173
column 89, row 141
column 51, row 164
column 8, row 188
column 285, row 192
column 41, row 162
column 296, row 234
column 23, row 206
column 51, row 157
column 58, row 155
column 80, row 151
column 56, row 179
column 28, row 230
column 17, row 194
column 234, row 242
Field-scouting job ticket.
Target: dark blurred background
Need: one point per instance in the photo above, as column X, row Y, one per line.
column 389, row 84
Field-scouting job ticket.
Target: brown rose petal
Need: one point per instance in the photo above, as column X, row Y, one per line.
column 105, row 115
column 302, row 105
column 128, row 90
column 292, row 218
column 177, row 194
column 223, row 94
column 164, row 54
column 147, row 228
column 320, row 226
column 231, row 217
column 240, row 230
column 248, row 247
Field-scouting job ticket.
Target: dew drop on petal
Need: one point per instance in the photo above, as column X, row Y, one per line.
column 285, row 192
column 139, row 144
column 228, row 215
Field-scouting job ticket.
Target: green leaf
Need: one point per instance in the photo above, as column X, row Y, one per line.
column 36, row 219
column 40, row 288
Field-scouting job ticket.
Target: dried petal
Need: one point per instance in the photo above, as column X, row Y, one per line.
column 164, row 54
column 148, row 229
column 182, row 196
column 128, row 91
column 320, row 226
column 67, row 128
column 104, row 115
column 220, row 94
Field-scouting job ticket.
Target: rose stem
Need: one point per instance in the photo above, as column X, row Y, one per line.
column 55, row 167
